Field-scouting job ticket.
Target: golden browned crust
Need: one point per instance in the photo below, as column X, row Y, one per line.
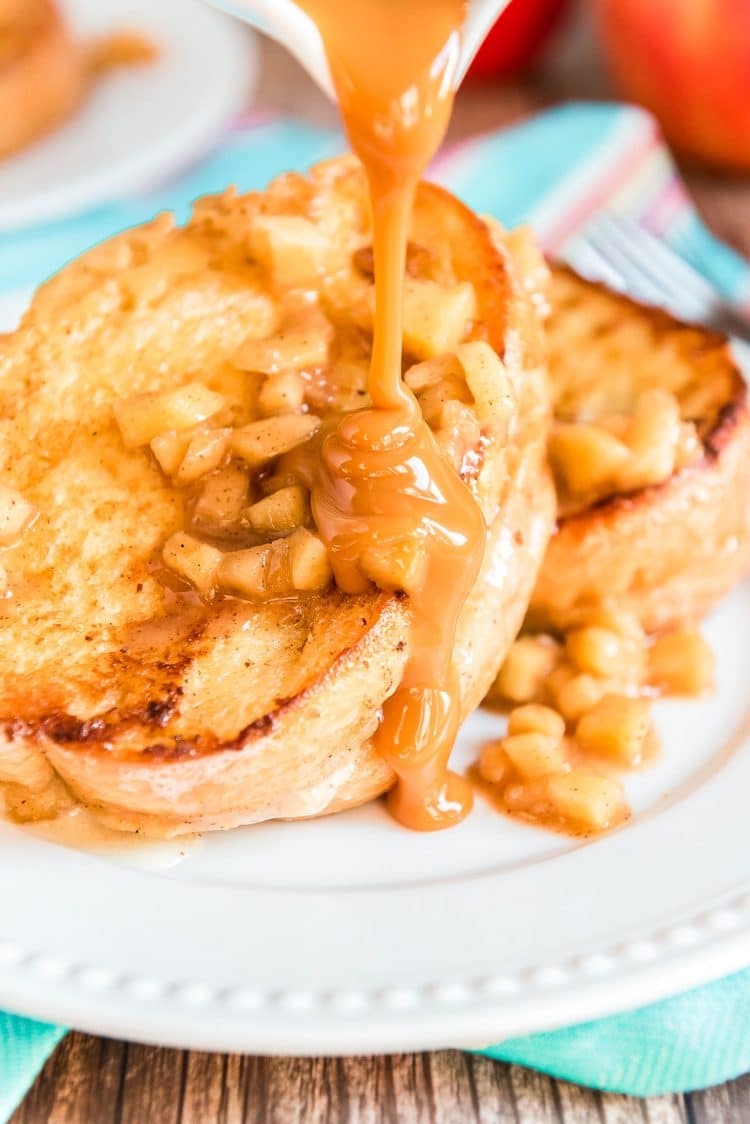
column 669, row 552
column 43, row 73
column 230, row 712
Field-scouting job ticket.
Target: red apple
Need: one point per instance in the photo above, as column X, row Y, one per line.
column 517, row 37
column 688, row 61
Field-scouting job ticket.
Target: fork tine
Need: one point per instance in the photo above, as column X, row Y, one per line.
column 650, row 270
column 635, row 266
column 662, row 286
column 665, row 264
column 634, row 279
column 588, row 261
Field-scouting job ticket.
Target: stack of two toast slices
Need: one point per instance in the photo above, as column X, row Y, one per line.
column 167, row 703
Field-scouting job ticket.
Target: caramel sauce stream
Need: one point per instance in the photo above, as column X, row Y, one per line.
column 381, row 489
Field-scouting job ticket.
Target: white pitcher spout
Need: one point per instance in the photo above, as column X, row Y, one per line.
column 284, row 21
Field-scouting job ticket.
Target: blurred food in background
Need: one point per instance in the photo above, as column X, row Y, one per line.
column 42, row 72
column 688, row 61
column 125, row 47
column 517, row 38
column 45, row 74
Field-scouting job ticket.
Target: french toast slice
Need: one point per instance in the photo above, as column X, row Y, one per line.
column 166, row 711
column 667, row 549
column 43, row 72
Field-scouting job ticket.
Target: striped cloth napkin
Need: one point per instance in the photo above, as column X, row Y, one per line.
column 553, row 170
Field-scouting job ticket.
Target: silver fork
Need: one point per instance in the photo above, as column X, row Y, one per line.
column 629, row 258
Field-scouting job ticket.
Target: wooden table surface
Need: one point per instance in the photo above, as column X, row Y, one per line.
column 92, row 1080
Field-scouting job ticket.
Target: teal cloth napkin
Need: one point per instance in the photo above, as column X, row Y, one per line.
column 24, row 1048
column 553, row 170
column 694, row 1040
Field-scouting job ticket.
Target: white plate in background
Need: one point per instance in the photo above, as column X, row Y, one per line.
column 140, row 124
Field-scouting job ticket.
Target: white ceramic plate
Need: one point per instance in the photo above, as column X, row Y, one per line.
column 351, row 934
column 140, row 124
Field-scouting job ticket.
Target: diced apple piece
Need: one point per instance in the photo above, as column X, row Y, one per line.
column 169, row 450
column 283, row 393
column 16, row 514
column 310, row 565
column 222, row 500
column 193, row 560
column 260, row 312
column 291, row 247
column 430, row 372
column 458, row 433
column 240, row 390
column 654, row 429
column 681, row 663
column 529, row 798
column 275, row 482
column 621, row 621
column 398, row 567
column 616, row 728
column 606, row 654
column 436, row 317
column 280, row 512
column 433, row 399
column 301, row 343
column 258, row 573
column 143, row 417
column 586, row 800
column 535, row 755
column 494, row 763
column 653, row 437
column 341, row 387
column 586, row 459
column 205, row 452
column 536, row 719
column 262, row 440
column 488, row 380
column 577, row 694
column 528, row 665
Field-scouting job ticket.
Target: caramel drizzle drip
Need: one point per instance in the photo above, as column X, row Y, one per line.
column 380, row 486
